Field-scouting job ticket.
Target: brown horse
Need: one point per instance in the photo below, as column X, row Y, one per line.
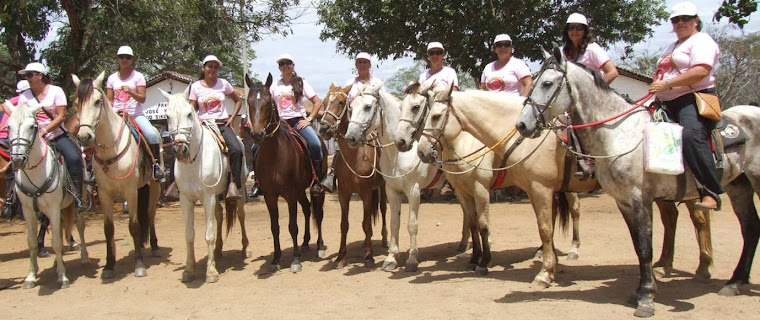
column 283, row 169
column 355, row 171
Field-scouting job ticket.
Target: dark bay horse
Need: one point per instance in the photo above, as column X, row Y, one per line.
column 283, row 170
column 355, row 172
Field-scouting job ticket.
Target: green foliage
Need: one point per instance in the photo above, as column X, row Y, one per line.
column 404, row 76
column 394, row 29
column 737, row 11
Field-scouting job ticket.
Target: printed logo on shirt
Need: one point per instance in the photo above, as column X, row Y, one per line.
column 495, row 84
column 440, row 82
column 122, row 96
column 286, row 101
column 213, row 104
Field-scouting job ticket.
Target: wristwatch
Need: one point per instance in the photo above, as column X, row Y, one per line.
column 307, row 118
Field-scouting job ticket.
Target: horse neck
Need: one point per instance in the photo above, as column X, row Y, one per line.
column 476, row 113
column 389, row 117
column 344, row 120
column 36, row 151
column 109, row 130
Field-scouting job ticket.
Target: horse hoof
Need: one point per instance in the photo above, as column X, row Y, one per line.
column 385, row 244
column 108, row 274
column 729, row 290
column 539, row 254
column 471, row 267
column 212, row 279
column 187, row 277
column 64, row 284
column 304, row 249
column 274, row 267
column 369, row 263
column 140, row 272
column 644, row 311
column 85, row 260
column 74, row 247
column 572, row 256
column 702, row 277
column 411, row 267
column 340, row 265
column 296, row 267
column 155, row 253
column 540, row 283
column 321, row 253
column 481, row 271
column 463, row 246
column 43, row 254
column 247, row 254
column 389, row 266
column 29, row 284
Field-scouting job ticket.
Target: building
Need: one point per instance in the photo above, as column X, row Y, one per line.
column 631, row 84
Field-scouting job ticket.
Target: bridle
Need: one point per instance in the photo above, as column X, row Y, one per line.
column 419, row 121
column 437, row 139
column 364, row 126
column 100, row 105
column 541, row 108
column 274, row 116
column 335, row 124
column 26, row 143
column 51, row 182
column 187, row 132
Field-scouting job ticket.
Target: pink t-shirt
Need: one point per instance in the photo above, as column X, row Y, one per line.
column 121, row 99
column 699, row 49
column 507, row 79
column 284, row 98
column 594, row 57
column 355, row 84
column 55, row 97
column 211, row 100
column 445, row 76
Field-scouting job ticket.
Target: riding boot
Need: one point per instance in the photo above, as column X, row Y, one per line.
column 158, row 173
column 328, row 183
column 80, row 201
column 316, row 186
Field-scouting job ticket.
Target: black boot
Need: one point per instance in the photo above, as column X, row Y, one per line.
column 158, row 173
column 81, row 202
column 316, row 187
column 44, row 223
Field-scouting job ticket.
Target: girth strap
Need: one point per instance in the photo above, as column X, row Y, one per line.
column 105, row 163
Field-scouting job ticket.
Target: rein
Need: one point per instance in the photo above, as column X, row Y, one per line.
column 51, row 182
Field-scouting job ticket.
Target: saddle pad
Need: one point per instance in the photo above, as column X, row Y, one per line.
column 217, row 135
column 730, row 133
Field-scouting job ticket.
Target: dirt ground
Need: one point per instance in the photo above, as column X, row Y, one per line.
column 594, row 287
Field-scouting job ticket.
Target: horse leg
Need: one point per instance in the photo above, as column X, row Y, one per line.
column 219, row 240
column 481, row 210
column 369, row 211
column 108, row 230
column 295, row 266
column 470, row 223
column 306, row 207
column 155, row 193
column 135, row 232
column 394, row 199
column 574, row 205
column 412, row 263
column 701, row 221
column 68, row 227
column 344, row 197
column 318, row 204
column 464, row 243
column 55, row 223
column 240, row 207
column 638, row 217
column 669, row 216
column 31, row 227
column 274, row 223
column 383, row 211
column 542, row 200
column 81, row 223
column 188, row 206
column 740, row 193
column 213, row 210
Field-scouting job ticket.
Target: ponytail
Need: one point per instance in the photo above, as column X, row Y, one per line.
column 297, row 83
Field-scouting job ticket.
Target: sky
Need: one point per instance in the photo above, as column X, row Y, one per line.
column 320, row 64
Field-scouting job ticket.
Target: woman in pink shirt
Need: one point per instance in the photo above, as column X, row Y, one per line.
column 207, row 96
column 688, row 66
column 579, row 46
column 506, row 74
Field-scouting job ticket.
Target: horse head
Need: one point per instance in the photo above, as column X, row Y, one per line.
column 364, row 110
column 336, row 108
column 22, row 132
column 182, row 121
column 90, row 101
column 414, row 111
column 264, row 117
column 549, row 97
column 441, row 123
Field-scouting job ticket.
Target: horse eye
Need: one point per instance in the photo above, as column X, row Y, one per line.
column 547, row 83
column 416, row 108
column 367, row 108
column 436, row 117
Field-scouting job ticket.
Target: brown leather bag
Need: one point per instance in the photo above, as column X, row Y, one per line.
column 708, row 106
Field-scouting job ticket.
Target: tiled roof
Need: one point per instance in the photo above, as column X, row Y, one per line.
column 182, row 78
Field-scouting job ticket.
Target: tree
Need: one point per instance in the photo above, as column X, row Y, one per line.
column 737, row 11
column 404, row 76
column 394, row 29
column 739, row 64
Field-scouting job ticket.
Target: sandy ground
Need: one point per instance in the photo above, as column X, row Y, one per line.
column 594, row 287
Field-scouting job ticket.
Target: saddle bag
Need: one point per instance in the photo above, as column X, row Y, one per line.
column 708, row 106
column 663, row 148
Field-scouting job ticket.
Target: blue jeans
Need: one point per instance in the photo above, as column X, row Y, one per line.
column 148, row 131
column 308, row 133
column 72, row 155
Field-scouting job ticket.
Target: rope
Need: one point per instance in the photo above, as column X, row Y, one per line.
column 492, row 169
column 134, row 163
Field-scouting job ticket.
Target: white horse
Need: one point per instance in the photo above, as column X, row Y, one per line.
column 120, row 170
column 566, row 87
column 40, row 186
column 470, row 167
column 201, row 181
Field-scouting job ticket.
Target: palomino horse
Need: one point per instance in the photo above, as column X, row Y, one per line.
column 566, row 87
column 201, row 180
column 283, row 170
column 120, row 170
column 472, row 177
column 40, row 186
column 355, row 172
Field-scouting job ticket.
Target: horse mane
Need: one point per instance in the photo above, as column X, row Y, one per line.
column 84, row 91
column 412, row 88
column 599, row 81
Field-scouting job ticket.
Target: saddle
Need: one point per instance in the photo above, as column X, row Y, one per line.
column 217, row 135
column 300, row 141
column 586, row 165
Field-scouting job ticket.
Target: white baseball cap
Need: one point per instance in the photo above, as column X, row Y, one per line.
column 502, row 37
column 34, row 66
column 577, row 18
column 363, row 55
column 434, row 45
column 683, row 9
column 125, row 50
column 285, row 56
column 211, row 57
column 22, row 86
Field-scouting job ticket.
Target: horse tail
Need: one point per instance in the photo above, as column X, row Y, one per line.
column 375, row 205
column 231, row 215
column 143, row 219
column 562, row 209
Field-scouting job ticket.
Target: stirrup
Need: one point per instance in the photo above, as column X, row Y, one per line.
column 328, row 183
column 158, row 174
column 316, row 187
column 232, row 192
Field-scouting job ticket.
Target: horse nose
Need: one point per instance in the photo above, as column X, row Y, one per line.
column 521, row 127
column 401, row 143
column 85, row 138
column 18, row 161
column 257, row 135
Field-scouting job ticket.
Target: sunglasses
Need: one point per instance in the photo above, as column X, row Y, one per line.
column 435, row 53
column 677, row 19
column 284, row 63
column 29, row 75
column 124, row 57
column 578, row 27
column 502, row 45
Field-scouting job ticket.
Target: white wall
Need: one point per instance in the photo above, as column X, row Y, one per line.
column 633, row 88
column 153, row 97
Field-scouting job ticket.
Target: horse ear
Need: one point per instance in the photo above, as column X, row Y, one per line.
column 186, row 93
column 268, row 84
column 375, row 89
column 165, row 94
column 248, row 80
column 547, row 54
column 33, row 106
column 75, row 79
column 99, row 80
column 557, row 53
column 424, row 89
column 347, row 89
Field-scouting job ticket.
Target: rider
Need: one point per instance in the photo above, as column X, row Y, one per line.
column 506, row 74
column 50, row 119
column 288, row 94
column 126, row 90
column 579, row 46
column 9, row 206
column 438, row 74
column 689, row 65
column 207, row 96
